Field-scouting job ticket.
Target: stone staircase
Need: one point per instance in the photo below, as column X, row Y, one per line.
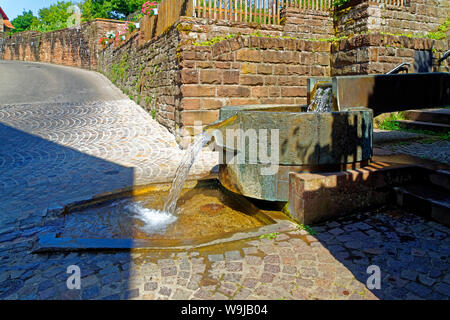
column 428, row 196
column 437, row 120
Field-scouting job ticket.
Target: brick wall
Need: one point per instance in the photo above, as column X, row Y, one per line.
column 180, row 83
column 147, row 72
column 247, row 70
column 308, row 24
column 416, row 17
column 71, row 47
column 298, row 23
column 379, row 53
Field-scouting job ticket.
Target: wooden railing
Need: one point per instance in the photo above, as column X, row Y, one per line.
column 393, row 2
column 169, row 11
column 256, row 11
column 323, row 5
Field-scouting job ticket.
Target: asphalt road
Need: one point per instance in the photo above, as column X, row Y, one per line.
column 30, row 82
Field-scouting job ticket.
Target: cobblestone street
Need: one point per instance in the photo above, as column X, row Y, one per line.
column 55, row 153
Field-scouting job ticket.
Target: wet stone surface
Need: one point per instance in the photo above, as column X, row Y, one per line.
column 412, row 255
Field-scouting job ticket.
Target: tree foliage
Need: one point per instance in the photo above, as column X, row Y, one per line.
column 57, row 15
column 23, row 22
column 54, row 17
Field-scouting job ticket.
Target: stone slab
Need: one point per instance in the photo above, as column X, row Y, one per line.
column 317, row 197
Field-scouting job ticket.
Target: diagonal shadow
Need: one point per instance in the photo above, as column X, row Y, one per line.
column 36, row 174
column 412, row 254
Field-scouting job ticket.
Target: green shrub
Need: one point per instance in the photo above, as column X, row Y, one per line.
column 441, row 32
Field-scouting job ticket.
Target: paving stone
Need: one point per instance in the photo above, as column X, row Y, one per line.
column 443, row 288
column 252, row 260
column 181, row 294
column 112, row 297
column 150, row 286
column 168, row 271
column 250, row 250
column 165, row 291
column 336, row 231
column 426, row 280
column 46, row 294
column 267, row 277
column 91, row 292
column 232, row 276
column 419, row 289
column 272, row 268
column 216, row 257
column 274, row 259
column 131, row 294
column 289, row 269
column 233, row 255
column 234, row 266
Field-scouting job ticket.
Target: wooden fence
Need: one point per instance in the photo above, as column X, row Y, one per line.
column 257, row 11
column 322, row 5
column 169, row 11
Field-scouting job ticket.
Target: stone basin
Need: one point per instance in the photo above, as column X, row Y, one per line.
column 307, row 142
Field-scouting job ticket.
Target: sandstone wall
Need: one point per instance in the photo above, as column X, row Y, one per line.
column 247, row 70
column 417, row 17
column 379, row 53
column 180, row 83
column 179, row 79
column 71, row 47
column 308, row 24
column 298, row 23
column 148, row 72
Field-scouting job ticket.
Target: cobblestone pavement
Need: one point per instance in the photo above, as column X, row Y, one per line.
column 56, row 153
column 412, row 255
column 418, row 145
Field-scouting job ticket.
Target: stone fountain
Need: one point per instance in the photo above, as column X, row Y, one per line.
column 335, row 140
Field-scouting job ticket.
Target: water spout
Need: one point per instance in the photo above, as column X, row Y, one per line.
column 322, row 100
column 183, row 171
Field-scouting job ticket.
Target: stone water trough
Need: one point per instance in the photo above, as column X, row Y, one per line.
column 307, row 142
column 315, row 142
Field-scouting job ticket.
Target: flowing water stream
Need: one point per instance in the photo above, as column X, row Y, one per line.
column 159, row 220
column 183, row 171
column 322, row 100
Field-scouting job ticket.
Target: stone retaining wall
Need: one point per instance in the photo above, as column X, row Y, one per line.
column 308, row 24
column 71, row 47
column 148, row 72
column 378, row 53
column 417, row 17
column 180, row 80
column 247, row 70
column 181, row 83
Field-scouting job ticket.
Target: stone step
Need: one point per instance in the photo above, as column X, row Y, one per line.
column 440, row 179
column 440, row 116
column 420, row 125
column 425, row 200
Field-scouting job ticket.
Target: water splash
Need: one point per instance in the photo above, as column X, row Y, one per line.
column 155, row 221
column 322, row 100
column 183, row 170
